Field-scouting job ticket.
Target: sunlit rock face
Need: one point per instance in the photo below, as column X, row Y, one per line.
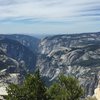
column 97, row 92
column 77, row 55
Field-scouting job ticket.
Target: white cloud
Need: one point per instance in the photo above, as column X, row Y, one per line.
column 44, row 9
column 49, row 15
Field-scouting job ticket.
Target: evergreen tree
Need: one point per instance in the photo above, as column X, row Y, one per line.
column 32, row 89
column 67, row 88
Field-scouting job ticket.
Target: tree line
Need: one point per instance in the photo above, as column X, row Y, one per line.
column 33, row 88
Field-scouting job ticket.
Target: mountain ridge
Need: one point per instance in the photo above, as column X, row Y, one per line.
column 77, row 55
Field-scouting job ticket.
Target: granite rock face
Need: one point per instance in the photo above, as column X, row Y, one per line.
column 11, row 71
column 23, row 48
column 26, row 40
column 77, row 55
column 16, row 59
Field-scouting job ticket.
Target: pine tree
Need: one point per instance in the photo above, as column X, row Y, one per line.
column 67, row 88
column 32, row 89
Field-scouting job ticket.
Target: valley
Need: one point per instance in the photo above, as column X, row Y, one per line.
column 76, row 54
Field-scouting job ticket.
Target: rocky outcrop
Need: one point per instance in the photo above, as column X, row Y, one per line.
column 97, row 92
column 77, row 55
column 11, row 71
column 21, row 53
column 16, row 59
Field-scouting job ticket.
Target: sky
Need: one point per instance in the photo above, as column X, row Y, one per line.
column 49, row 16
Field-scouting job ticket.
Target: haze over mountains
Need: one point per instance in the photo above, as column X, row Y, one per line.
column 75, row 54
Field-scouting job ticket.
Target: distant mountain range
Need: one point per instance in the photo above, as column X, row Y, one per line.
column 75, row 54
column 28, row 41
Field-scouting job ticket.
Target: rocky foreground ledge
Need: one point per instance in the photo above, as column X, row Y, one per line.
column 96, row 95
column 97, row 92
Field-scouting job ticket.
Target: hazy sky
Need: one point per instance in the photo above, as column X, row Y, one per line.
column 49, row 16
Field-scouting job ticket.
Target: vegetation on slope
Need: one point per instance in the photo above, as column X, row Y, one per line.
column 33, row 88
